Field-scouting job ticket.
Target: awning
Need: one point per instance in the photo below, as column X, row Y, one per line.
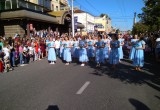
column 60, row 15
column 27, row 14
column 79, row 26
column 57, row 13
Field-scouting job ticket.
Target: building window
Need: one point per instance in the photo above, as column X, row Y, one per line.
column 56, row 8
column 8, row 4
column 52, row 7
column 98, row 25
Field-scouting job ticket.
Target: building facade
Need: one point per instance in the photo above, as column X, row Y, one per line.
column 103, row 24
column 22, row 16
column 86, row 19
column 58, row 5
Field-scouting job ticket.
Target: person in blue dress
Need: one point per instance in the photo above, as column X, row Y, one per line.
column 51, row 51
column 120, row 49
column 106, row 41
column 114, row 55
column 99, row 51
column 138, row 60
column 90, row 48
column 83, row 58
column 133, row 44
column 75, row 48
column 47, row 40
column 67, row 51
column 61, row 48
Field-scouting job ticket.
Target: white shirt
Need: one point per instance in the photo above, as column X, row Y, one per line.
column 31, row 50
column 158, row 43
column 57, row 44
column 6, row 52
column 25, row 49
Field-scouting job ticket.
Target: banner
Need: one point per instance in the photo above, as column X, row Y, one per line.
column 75, row 22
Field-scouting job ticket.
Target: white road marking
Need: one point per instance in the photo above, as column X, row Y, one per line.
column 80, row 91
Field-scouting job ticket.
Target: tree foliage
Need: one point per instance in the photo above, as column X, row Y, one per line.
column 118, row 31
column 151, row 15
column 102, row 15
column 139, row 28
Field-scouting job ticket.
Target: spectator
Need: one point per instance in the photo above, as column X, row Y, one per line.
column 1, row 44
column 57, row 46
column 157, row 49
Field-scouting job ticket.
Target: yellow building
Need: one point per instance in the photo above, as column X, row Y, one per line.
column 33, row 1
column 54, row 5
column 103, row 24
column 57, row 5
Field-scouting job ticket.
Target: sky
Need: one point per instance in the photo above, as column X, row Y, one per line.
column 121, row 12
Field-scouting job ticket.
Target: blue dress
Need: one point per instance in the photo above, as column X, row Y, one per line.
column 114, row 55
column 47, row 45
column 106, row 48
column 82, row 52
column 139, row 54
column 61, row 49
column 99, row 52
column 120, row 50
column 90, row 49
column 75, row 49
column 51, row 52
column 132, row 51
column 67, row 52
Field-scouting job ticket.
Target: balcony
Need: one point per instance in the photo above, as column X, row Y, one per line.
column 64, row 2
column 6, row 5
column 66, row 8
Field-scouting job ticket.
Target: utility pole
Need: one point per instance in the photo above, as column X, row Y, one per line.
column 72, row 19
column 86, row 24
column 134, row 19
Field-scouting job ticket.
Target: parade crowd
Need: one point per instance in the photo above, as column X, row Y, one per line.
column 19, row 51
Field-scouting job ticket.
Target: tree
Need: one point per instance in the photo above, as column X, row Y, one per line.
column 102, row 15
column 118, row 31
column 139, row 28
column 128, row 31
column 151, row 14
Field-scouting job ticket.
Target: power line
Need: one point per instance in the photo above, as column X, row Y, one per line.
column 120, row 18
column 83, row 7
column 93, row 6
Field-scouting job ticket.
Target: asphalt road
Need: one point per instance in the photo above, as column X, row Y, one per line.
column 41, row 86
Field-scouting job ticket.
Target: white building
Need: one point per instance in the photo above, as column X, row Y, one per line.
column 86, row 19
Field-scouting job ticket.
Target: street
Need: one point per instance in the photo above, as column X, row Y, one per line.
column 41, row 86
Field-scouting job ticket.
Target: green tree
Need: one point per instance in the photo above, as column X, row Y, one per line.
column 102, row 15
column 118, row 31
column 139, row 28
column 151, row 14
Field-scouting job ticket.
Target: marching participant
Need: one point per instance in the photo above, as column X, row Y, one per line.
column 83, row 58
column 99, row 51
column 138, row 60
column 120, row 49
column 61, row 47
column 90, row 48
column 106, row 49
column 67, row 51
column 114, row 54
column 75, row 48
column 133, row 49
column 51, row 51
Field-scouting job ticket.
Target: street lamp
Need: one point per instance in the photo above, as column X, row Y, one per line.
column 72, row 18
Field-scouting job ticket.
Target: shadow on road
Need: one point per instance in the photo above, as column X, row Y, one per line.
column 125, row 72
column 138, row 105
column 52, row 107
column 157, row 97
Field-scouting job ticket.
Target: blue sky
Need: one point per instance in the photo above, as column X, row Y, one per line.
column 120, row 11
